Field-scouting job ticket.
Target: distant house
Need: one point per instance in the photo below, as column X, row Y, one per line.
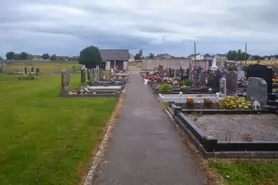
column 113, row 58
column 36, row 57
column 208, row 57
column 196, row 57
column 163, row 56
column 221, row 56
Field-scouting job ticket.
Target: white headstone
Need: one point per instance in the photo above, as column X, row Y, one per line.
column 107, row 65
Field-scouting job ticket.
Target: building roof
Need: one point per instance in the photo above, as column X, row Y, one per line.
column 114, row 54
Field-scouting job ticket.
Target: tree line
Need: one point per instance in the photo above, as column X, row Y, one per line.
column 25, row 56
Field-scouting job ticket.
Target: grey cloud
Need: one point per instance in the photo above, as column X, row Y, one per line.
column 260, row 20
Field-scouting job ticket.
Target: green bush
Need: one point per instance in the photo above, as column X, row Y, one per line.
column 166, row 88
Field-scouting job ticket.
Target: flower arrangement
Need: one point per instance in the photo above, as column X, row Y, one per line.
column 176, row 83
column 27, row 77
column 190, row 100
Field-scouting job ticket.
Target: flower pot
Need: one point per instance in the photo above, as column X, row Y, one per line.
column 190, row 105
column 207, row 105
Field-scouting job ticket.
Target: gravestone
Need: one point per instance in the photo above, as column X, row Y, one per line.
column 170, row 72
column 2, row 69
column 263, row 72
column 83, row 76
column 32, row 69
column 25, row 70
column 195, row 78
column 94, row 74
column 212, row 81
column 37, row 71
column 231, row 83
column 167, row 72
column 240, row 75
column 222, row 86
column 189, row 73
column 89, row 75
column 182, row 74
column 202, row 78
column 257, row 90
column 74, row 69
column 65, row 82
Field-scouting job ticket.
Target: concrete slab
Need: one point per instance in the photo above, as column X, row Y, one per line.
column 145, row 148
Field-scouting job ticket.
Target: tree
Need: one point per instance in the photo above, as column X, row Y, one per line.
column 23, row 56
column 141, row 53
column 151, row 56
column 90, row 57
column 17, row 56
column 10, row 55
column 231, row 55
column 137, row 57
column 53, row 57
column 237, row 55
column 45, row 56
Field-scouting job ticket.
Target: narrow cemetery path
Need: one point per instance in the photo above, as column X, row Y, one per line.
column 145, row 148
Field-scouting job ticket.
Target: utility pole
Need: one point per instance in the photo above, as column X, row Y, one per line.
column 195, row 53
column 245, row 52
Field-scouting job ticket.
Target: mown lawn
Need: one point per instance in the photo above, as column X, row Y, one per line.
column 45, row 139
column 247, row 172
column 45, row 68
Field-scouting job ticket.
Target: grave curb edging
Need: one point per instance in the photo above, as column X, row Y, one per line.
column 201, row 143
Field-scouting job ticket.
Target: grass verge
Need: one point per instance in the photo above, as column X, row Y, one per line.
column 45, row 139
column 246, row 172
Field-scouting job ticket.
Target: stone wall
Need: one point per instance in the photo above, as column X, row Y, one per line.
column 149, row 64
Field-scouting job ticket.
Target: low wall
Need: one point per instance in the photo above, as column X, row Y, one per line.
column 149, row 64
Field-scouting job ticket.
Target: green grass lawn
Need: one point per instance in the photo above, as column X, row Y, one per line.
column 242, row 172
column 45, row 139
column 45, row 68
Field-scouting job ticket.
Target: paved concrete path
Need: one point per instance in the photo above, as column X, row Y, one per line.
column 145, row 148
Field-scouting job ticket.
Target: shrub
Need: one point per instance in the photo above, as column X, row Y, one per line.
column 234, row 102
column 166, row 88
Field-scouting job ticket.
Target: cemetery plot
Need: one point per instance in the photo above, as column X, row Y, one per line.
column 238, row 127
column 229, row 132
column 29, row 75
column 97, row 84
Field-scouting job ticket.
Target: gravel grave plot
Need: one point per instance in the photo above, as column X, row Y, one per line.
column 247, row 128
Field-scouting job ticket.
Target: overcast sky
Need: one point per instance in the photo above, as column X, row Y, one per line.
column 65, row 27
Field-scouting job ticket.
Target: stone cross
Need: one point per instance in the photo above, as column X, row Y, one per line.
column 231, row 83
column 257, row 90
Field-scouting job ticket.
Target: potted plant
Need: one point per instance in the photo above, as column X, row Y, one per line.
column 190, row 103
column 207, row 103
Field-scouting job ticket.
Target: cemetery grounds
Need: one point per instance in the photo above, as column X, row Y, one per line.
column 46, row 139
